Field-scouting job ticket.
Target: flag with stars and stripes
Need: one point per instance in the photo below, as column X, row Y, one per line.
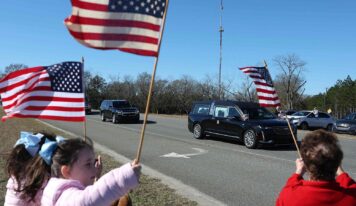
column 48, row 92
column 128, row 25
column 267, row 95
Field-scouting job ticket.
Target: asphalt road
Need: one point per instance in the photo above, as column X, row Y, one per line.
column 224, row 170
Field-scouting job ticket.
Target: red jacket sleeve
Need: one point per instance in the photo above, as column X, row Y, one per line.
column 345, row 181
column 292, row 181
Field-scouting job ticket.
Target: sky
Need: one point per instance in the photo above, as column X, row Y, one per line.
column 321, row 32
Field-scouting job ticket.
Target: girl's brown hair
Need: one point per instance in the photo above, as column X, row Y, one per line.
column 29, row 172
column 67, row 153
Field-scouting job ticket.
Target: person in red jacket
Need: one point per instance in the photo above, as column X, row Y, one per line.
column 328, row 184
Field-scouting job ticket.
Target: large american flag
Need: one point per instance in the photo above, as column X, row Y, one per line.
column 48, row 92
column 267, row 95
column 128, row 25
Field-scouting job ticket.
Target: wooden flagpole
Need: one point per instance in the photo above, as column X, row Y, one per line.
column 139, row 150
column 290, row 128
column 85, row 118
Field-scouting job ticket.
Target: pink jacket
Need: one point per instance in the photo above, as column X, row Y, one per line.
column 12, row 197
column 110, row 187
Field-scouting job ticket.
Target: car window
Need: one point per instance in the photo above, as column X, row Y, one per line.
column 258, row 113
column 301, row 114
column 121, row 104
column 233, row 112
column 323, row 115
column 350, row 117
column 201, row 109
column 103, row 104
column 311, row 115
column 290, row 112
column 221, row 111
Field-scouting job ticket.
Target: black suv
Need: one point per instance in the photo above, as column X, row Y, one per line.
column 118, row 111
column 245, row 121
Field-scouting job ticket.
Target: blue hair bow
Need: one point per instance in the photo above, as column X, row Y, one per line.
column 30, row 141
column 48, row 148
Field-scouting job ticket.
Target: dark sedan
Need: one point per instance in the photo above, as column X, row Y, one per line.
column 244, row 121
column 346, row 125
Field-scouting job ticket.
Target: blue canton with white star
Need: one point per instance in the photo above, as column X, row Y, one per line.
column 148, row 7
column 66, row 77
column 265, row 75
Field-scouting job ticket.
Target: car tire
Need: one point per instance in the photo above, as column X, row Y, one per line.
column 250, row 139
column 329, row 127
column 114, row 119
column 304, row 126
column 198, row 131
column 102, row 117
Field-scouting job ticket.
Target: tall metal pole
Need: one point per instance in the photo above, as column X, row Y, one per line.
column 221, row 30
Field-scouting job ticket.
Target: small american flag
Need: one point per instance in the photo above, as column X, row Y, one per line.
column 128, row 25
column 53, row 92
column 267, row 96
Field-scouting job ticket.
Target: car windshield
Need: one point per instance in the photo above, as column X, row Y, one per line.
column 121, row 104
column 301, row 114
column 258, row 113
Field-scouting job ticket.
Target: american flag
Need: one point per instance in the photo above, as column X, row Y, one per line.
column 267, row 96
column 48, row 92
column 128, row 25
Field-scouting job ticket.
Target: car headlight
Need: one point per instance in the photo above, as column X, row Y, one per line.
column 119, row 111
column 137, row 111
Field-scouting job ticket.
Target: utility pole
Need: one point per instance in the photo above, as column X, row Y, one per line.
column 221, row 30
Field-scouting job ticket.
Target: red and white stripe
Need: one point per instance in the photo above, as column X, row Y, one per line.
column 94, row 26
column 267, row 95
column 27, row 93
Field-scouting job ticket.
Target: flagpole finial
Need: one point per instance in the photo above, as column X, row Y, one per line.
column 265, row 63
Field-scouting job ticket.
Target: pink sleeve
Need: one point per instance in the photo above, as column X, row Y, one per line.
column 345, row 181
column 108, row 188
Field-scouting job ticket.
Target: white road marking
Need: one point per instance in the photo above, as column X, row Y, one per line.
column 186, row 156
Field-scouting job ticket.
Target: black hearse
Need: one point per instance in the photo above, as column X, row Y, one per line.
column 245, row 121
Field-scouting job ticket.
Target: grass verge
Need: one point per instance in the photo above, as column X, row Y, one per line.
column 150, row 192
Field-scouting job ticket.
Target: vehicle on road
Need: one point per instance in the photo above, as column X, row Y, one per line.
column 87, row 108
column 245, row 121
column 288, row 113
column 346, row 125
column 307, row 120
column 118, row 111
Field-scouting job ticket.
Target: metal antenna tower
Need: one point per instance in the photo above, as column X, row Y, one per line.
column 221, row 30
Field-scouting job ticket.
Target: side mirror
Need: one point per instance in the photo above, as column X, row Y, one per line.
column 245, row 117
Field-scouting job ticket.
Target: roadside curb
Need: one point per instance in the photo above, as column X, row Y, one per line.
column 180, row 188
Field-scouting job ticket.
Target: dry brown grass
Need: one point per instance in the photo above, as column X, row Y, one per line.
column 150, row 192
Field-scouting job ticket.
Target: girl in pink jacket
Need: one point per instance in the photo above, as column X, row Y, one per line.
column 73, row 173
column 25, row 187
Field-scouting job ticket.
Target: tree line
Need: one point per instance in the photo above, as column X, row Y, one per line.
column 176, row 96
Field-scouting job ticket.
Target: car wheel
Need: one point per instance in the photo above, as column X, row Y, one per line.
column 250, row 140
column 102, row 117
column 198, row 131
column 304, row 126
column 114, row 119
column 329, row 127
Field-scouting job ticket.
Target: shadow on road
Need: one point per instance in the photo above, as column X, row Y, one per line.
column 139, row 122
column 264, row 147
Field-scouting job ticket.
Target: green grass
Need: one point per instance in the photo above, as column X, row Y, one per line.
column 150, row 191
